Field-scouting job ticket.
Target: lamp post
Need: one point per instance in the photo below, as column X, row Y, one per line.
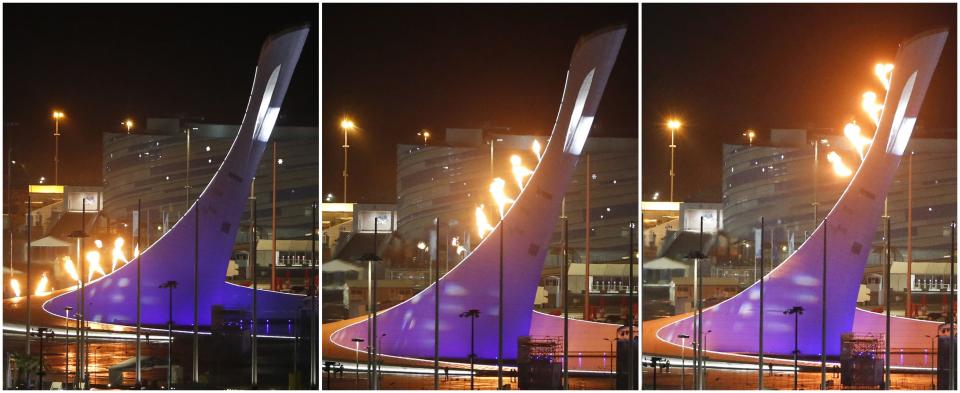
column 796, row 311
column 607, row 357
column 473, row 314
column 169, row 285
column 57, row 115
column 136, row 229
column 750, row 134
column 425, row 133
column 42, row 332
column 673, row 125
column 933, row 357
column 372, row 258
column 356, row 342
column 66, row 351
column 683, row 369
column 129, row 124
column 347, row 125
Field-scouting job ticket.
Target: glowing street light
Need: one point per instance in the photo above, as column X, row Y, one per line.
column 421, row 245
column 499, row 196
column 57, row 115
column 673, row 125
column 884, row 72
column 871, row 106
column 519, row 171
column 347, row 125
column 750, row 134
column 129, row 124
column 839, row 167
column 536, row 149
column 425, row 133
column 656, row 195
column 483, row 225
column 860, row 142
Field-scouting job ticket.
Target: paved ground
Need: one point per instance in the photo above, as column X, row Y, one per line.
column 425, row 382
column 747, row 380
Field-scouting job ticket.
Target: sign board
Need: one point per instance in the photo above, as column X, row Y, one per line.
column 691, row 220
column 76, row 200
column 365, row 221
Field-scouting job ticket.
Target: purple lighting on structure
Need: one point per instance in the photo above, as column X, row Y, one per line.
column 112, row 298
column 529, row 225
column 852, row 226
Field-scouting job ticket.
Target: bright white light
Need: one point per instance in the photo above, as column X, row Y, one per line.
column 839, row 167
column 207, row 148
column 267, row 115
column 98, row 243
column 499, row 196
column 536, row 149
column 455, row 241
column 136, row 250
column 483, row 226
column 656, row 195
column 117, row 254
column 422, row 245
column 461, row 250
column 884, row 72
column 519, row 171
column 15, row 286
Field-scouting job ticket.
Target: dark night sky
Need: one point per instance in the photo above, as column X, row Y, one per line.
column 103, row 63
column 396, row 69
column 727, row 68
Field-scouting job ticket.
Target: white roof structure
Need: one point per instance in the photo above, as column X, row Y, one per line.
column 665, row 263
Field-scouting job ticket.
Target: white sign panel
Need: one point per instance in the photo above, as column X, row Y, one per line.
column 366, row 221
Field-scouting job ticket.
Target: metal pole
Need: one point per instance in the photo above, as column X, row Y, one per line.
column 139, row 382
column 66, row 350
column 683, row 368
column 436, row 308
column 673, row 148
column 796, row 348
column 187, row 186
column 196, row 293
column 760, row 333
column 56, row 152
column 952, row 385
column 564, row 275
column 346, row 147
column 29, row 263
column 314, row 363
column 40, row 332
column 273, row 223
column 373, row 305
column 473, row 354
column 823, row 313
column 699, row 290
column 909, row 313
column 586, row 274
column 83, row 301
column 886, row 293
column 631, row 367
column 816, row 161
column 503, row 229
column 253, row 264
column 170, row 285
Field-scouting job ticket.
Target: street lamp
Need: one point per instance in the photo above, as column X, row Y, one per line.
column 673, row 125
column 933, row 385
column 425, row 133
column 683, row 346
column 66, row 351
column 356, row 342
column 42, row 332
column 796, row 311
column 750, row 134
column 170, row 285
column 57, row 115
column 473, row 314
column 611, row 341
column 347, row 125
column 129, row 124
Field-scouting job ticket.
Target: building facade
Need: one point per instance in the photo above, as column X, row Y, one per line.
column 778, row 182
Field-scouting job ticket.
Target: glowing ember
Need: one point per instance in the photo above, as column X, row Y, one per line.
column 519, row 171
column 860, row 142
column 499, row 196
column 93, row 258
column 483, row 226
column 871, row 106
column 536, row 149
column 884, row 72
column 42, row 286
column 15, row 286
column 839, row 167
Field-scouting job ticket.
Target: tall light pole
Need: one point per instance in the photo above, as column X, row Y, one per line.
column 170, row 286
column 796, row 311
column 473, row 314
column 129, row 124
column 66, row 351
column 683, row 371
column 910, row 235
column 347, row 125
column 57, row 115
column 673, row 125
column 436, row 306
column 933, row 357
column 136, row 229
column 356, row 342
